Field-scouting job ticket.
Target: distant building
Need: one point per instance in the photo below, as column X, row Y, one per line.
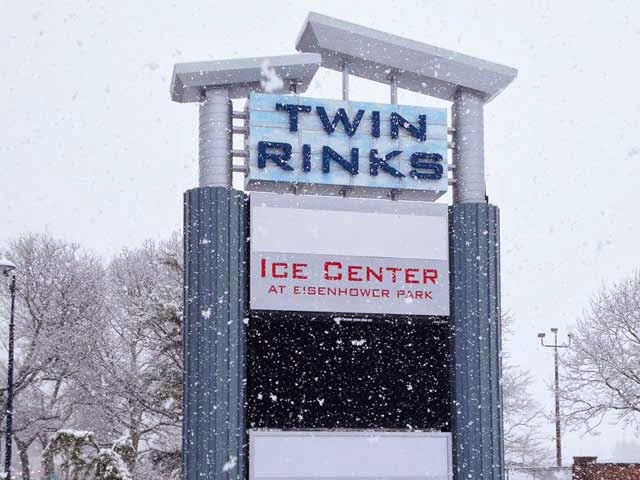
column 587, row 468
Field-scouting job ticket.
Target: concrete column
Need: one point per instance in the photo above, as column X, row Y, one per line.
column 476, row 342
column 215, row 306
column 468, row 154
column 216, row 139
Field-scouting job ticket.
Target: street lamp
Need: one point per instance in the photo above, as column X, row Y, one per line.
column 7, row 268
column 555, row 347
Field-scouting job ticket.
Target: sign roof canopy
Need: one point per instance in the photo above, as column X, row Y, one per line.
column 242, row 76
column 417, row 66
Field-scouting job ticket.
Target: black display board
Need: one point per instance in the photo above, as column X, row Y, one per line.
column 309, row 371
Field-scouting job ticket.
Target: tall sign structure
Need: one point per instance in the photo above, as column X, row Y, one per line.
column 337, row 295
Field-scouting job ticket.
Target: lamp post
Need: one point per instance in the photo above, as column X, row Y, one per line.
column 7, row 267
column 555, row 345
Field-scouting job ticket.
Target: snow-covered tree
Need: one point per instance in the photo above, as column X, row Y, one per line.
column 58, row 308
column 135, row 379
column 601, row 372
column 100, row 349
column 80, row 458
column 74, row 451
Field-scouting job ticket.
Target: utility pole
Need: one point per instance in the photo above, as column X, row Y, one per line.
column 7, row 268
column 555, row 345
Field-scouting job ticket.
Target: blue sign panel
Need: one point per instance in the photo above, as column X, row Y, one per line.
column 334, row 146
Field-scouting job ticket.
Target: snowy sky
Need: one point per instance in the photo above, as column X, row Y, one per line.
column 93, row 150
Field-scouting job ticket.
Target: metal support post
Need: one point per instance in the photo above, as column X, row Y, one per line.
column 345, row 81
column 393, row 84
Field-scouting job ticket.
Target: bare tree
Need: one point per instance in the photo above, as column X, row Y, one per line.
column 523, row 415
column 601, row 373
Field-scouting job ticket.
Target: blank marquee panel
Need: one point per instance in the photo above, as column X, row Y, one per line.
column 369, row 455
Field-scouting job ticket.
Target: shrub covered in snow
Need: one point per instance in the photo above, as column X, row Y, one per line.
column 79, row 458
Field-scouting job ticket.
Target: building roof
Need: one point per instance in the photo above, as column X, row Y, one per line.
column 606, row 471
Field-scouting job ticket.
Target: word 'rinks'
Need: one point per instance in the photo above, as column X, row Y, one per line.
column 424, row 165
column 338, row 271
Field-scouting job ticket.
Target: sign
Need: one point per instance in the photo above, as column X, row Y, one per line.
column 326, row 146
column 331, row 455
column 352, row 255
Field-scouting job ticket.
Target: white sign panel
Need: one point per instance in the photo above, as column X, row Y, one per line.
column 321, row 455
column 348, row 255
column 365, row 147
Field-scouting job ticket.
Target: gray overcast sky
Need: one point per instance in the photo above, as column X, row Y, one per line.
column 93, row 150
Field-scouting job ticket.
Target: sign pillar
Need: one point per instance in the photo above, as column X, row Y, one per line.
column 213, row 437
column 475, row 303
